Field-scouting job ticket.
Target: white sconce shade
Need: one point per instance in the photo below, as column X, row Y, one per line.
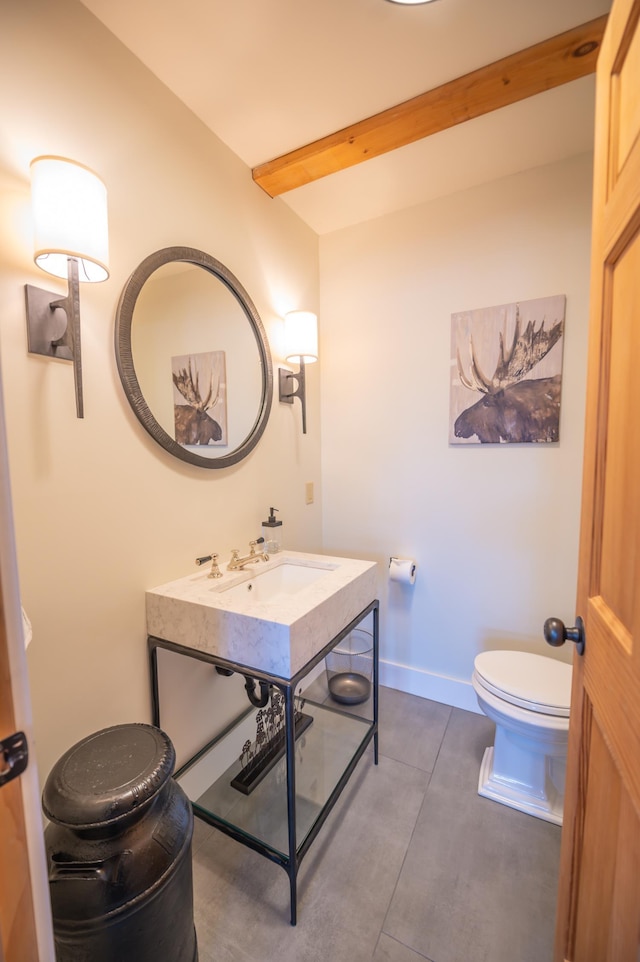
column 70, row 216
column 300, row 344
column 301, row 336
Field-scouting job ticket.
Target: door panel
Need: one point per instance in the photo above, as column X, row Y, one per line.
column 599, row 848
column 623, row 939
column 618, row 561
column 599, row 894
column 625, row 120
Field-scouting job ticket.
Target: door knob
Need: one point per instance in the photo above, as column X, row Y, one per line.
column 555, row 633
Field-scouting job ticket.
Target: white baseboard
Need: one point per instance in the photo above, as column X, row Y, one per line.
column 426, row 684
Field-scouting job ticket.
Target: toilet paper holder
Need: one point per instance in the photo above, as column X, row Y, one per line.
column 402, row 570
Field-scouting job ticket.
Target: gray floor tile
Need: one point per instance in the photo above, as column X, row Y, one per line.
column 345, row 883
column 388, row 950
column 411, row 728
column 479, row 880
column 201, row 831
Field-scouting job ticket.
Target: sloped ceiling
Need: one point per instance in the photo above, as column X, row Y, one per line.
column 268, row 78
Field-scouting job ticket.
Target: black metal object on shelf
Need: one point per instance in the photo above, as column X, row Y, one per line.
column 252, row 774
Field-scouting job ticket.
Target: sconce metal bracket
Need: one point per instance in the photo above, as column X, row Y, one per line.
column 286, row 395
column 45, row 333
column 285, row 384
column 45, row 324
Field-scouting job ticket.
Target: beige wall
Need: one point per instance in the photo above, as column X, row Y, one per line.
column 494, row 529
column 101, row 512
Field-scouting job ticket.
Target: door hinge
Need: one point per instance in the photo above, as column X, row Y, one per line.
column 14, row 757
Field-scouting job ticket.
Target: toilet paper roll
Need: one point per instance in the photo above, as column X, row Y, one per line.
column 402, row 570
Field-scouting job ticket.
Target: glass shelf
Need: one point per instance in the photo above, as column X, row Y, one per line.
column 322, row 754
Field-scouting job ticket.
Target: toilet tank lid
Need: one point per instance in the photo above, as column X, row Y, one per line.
column 523, row 675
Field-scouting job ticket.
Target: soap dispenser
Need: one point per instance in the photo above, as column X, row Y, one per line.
column 272, row 532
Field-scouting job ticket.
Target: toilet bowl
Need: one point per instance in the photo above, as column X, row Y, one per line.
column 528, row 697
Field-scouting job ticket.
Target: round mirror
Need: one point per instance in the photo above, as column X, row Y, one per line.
column 193, row 357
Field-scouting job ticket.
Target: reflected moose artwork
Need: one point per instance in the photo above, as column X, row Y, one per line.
column 199, row 379
column 522, row 345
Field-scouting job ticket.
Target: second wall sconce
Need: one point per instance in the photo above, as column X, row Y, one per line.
column 301, row 345
column 71, row 240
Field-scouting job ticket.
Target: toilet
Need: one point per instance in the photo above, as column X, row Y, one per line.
column 528, row 697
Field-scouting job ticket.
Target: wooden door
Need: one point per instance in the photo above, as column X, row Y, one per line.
column 17, row 917
column 25, row 912
column 599, row 898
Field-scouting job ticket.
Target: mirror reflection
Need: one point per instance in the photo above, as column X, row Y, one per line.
column 193, row 357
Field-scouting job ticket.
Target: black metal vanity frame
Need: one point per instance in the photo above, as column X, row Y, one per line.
column 287, row 686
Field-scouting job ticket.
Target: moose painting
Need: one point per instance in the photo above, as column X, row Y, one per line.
column 199, row 393
column 506, row 372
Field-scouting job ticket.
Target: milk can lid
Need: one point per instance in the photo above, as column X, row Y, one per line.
column 108, row 775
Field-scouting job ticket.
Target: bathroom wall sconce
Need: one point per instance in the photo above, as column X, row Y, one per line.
column 301, row 345
column 71, row 240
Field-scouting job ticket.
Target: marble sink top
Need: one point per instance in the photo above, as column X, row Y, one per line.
column 272, row 616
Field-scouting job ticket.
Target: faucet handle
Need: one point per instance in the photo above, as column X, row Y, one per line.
column 203, row 560
column 263, row 554
column 213, row 558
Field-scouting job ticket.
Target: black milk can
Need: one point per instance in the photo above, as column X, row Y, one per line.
column 119, row 850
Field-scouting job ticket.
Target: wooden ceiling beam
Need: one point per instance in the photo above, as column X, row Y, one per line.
column 549, row 64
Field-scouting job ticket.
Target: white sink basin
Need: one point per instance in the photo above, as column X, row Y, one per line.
column 273, row 585
column 272, row 616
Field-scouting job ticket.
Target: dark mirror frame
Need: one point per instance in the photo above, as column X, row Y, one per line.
column 126, row 368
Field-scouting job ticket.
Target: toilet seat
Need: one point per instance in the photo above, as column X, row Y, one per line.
column 529, row 681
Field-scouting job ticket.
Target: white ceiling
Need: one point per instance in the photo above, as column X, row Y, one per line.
column 268, row 76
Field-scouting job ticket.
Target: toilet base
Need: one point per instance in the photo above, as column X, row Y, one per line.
column 546, row 804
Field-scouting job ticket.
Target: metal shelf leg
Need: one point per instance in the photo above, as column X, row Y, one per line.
column 289, row 720
column 376, row 679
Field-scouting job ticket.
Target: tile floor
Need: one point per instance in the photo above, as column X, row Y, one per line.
column 411, row 864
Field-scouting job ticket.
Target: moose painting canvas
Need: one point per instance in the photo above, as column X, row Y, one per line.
column 200, row 398
column 506, row 372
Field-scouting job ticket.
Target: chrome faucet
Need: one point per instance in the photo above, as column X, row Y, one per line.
column 237, row 563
